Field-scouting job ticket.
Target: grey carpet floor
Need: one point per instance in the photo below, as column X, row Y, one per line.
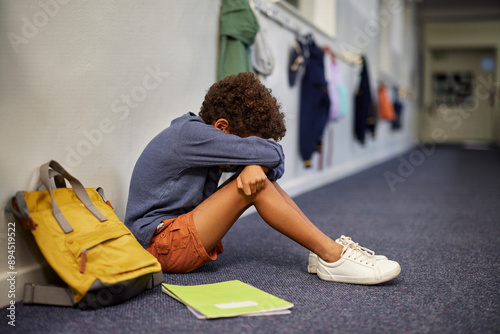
column 438, row 214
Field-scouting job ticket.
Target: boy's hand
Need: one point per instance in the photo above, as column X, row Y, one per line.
column 252, row 179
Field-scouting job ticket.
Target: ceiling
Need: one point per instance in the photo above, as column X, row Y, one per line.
column 459, row 10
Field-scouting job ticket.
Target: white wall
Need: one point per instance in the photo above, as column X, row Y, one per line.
column 358, row 30
column 89, row 83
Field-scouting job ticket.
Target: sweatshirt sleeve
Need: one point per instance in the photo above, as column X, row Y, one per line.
column 202, row 145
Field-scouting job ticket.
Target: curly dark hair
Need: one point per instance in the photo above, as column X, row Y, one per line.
column 247, row 105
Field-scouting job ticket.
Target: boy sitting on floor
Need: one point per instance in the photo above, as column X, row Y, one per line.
column 176, row 212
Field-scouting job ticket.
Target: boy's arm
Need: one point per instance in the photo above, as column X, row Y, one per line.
column 237, row 173
column 201, row 145
column 249, row 180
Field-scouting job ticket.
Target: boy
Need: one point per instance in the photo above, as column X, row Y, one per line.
column 176, row 213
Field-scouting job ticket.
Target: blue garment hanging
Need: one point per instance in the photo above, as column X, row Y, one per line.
column 365, row 117
column 398, row 110
column 314, row 102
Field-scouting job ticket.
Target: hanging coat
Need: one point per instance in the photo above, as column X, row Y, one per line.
column 398, row 110
column 297, row 59
column 314, row 103
column 365, row 117
column 262, row 56
column 238, row 27
column 336, row 90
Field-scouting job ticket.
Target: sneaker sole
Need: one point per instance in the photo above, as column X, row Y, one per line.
column 360, row 280
column 313, row 268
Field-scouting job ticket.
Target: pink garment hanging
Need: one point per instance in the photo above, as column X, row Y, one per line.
column 336, row 90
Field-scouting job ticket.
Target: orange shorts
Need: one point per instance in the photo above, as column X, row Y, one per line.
column 177, row 247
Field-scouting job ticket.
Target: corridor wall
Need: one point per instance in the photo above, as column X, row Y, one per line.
column 90, row 83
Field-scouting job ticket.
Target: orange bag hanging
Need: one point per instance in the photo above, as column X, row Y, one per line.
column 385, row 106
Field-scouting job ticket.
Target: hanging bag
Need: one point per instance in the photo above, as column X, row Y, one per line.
column 85, row 243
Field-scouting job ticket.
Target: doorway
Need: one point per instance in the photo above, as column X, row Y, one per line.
column 459, row 96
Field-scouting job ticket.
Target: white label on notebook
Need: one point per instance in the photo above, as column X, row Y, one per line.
column 231, row 305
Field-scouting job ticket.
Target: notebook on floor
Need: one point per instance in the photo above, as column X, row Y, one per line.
column 227, row 299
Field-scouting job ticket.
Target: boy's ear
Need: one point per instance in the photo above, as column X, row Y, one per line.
column 222, row 124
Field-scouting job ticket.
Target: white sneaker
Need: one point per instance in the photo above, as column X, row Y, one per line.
column 358, row 265
column 312, row 267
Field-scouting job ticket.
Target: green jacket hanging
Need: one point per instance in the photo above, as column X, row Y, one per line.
column 238, row 27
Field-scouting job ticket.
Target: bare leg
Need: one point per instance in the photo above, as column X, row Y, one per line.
column 216, row 215
column 295, row 207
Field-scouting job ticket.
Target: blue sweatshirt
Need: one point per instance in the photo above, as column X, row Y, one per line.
column 179, row 169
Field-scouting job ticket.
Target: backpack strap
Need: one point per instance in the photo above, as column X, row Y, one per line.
column 62, row 296
column 18, row 208
column 78, row 188
column 48, row 295
column 59, row 181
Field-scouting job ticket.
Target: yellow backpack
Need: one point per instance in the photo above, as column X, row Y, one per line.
column 85, row 243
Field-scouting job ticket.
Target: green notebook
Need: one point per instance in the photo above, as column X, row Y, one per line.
column 227, row 299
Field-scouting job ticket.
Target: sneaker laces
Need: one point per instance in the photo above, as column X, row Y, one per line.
column 361, row 254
